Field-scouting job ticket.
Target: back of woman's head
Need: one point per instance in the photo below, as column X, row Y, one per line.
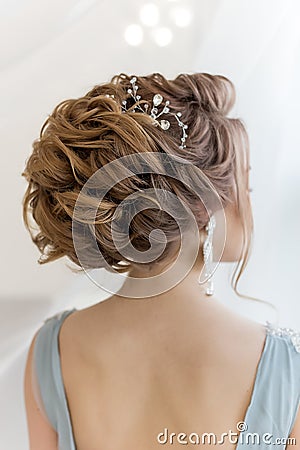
column 83, row 135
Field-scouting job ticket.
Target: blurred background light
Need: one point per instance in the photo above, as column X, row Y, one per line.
column 134, row 34
column 162, row 36
column 149, row 14
column 181, row 16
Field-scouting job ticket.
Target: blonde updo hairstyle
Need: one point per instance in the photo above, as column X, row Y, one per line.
column 82, row 135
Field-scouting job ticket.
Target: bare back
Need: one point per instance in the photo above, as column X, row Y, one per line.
column 131, row 372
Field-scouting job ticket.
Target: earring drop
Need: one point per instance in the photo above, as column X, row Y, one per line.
column 208, row 255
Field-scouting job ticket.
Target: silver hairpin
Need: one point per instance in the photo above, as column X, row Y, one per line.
column 154, row 112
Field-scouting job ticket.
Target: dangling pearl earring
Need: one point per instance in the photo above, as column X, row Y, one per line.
column 208, row 255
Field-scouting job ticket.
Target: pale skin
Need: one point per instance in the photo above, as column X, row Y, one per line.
column 132, row 367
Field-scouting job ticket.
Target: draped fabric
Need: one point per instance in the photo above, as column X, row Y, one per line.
column 56, row 50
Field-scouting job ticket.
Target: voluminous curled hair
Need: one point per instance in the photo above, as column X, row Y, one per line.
column 83, row 134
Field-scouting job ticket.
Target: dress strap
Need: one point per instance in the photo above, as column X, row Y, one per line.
column 46, row 364
column 276, row 399
column 289, row 333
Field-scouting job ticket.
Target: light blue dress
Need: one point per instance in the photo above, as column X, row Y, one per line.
column 270, row 415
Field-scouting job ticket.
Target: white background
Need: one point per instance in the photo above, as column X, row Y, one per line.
column 52, row 50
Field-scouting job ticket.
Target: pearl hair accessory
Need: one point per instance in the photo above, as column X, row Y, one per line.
column 154, row 113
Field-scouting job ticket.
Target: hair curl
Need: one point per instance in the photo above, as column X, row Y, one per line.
column 82, row 135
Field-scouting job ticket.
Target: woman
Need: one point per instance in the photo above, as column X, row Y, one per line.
column 162, row 361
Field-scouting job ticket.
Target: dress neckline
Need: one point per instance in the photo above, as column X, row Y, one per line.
column 259, row 369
